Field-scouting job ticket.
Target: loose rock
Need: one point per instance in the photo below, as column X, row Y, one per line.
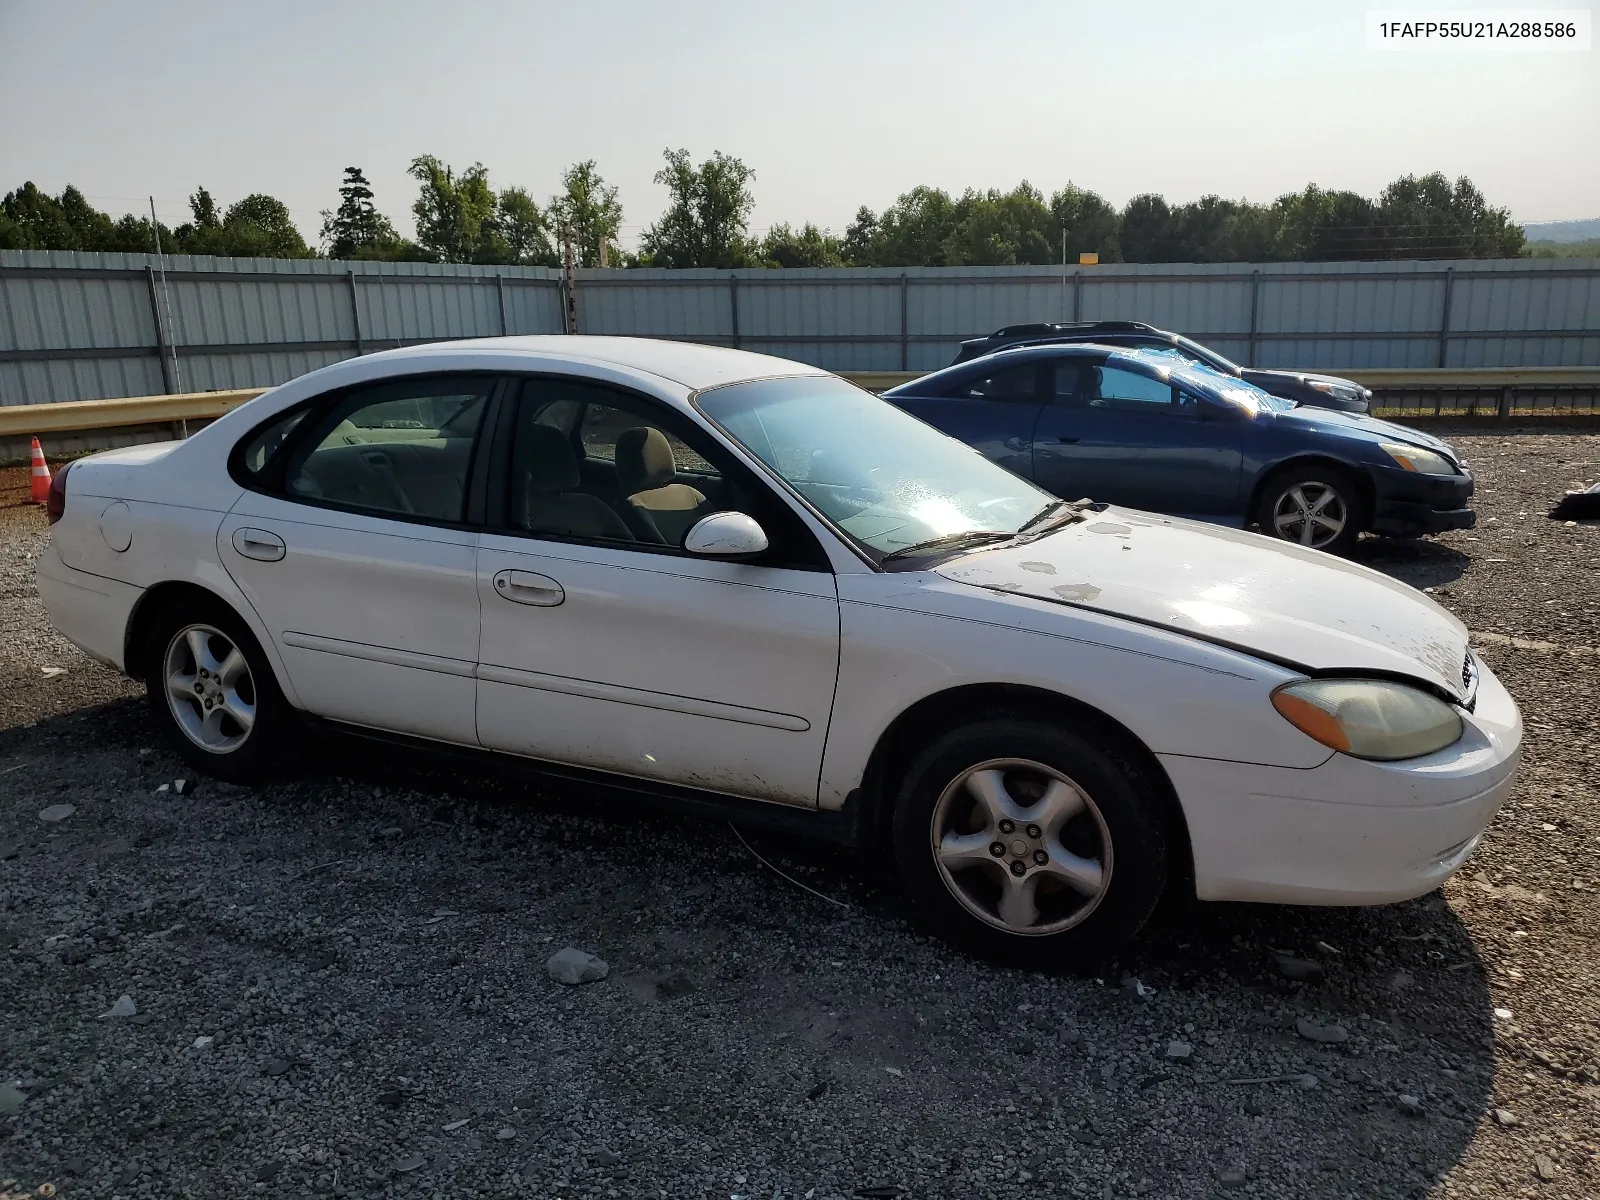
column 1545, row 1167
column 57, row 812
column 124, row 1007
column 1505, row 1118
column 1327, row 1034
column 11, row 1099
column 1302, row 970
column 1410, row 1105
column 1179, row 1051
column 572, row 967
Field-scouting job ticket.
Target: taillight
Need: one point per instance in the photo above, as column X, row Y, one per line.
column 55, row 503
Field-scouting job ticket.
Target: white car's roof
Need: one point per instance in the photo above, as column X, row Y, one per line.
column 688, row 363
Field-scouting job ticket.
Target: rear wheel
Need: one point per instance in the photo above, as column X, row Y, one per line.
column 215, row 695
column 1318, row 506
column 1028, row 844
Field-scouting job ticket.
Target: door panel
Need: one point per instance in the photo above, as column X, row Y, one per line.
column 376, row 619
column 349, row 556
column 992, row 409
column 707, row 674
column 1135, row 441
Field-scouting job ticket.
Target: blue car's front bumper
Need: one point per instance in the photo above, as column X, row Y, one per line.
column 1410, row 504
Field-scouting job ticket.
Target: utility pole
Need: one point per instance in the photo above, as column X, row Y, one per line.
column 569, row 276
column 166, row 299
column 1063, row 270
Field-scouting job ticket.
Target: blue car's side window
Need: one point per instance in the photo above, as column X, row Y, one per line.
column 1017, row 383
column 1129, row 391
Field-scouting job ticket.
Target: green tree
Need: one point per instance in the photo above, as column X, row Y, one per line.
column 707, row 216
column 1428, row 217
column 1089, row 224
column 1147, row 232
column 915, row 230
column 588, row 208
column 356, row 225
column 1323, row 226
column 809, row 247
column 518, row 233
column 450, row 212
column 859, row 237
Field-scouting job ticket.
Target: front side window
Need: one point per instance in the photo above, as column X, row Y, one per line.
column 1114, row 387
column 401, row 448
column 885, row 479
column 625, row 471
column 1017, row 383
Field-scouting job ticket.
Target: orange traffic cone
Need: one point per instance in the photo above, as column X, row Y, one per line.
column 40, row 483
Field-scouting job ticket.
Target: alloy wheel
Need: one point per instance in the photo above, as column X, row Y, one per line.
column 210, row 691
column 1021, row 846
column 1311, row 513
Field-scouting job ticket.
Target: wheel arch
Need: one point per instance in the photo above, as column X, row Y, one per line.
column 1357, row 472
column 160, row 596
column 937, row 714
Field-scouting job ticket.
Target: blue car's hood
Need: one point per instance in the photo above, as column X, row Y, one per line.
column 1359, row 423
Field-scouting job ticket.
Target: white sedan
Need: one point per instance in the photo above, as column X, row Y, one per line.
column 749, row 586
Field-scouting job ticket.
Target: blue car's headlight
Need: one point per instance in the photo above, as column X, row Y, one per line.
column 1415, row 458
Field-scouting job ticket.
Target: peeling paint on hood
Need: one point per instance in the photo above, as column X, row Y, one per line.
column 1284, row 602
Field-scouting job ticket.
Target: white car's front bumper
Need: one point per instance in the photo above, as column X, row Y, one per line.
column 1348, row 831
column 89, row 610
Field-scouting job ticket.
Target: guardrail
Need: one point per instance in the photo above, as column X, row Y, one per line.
column 1502, row 385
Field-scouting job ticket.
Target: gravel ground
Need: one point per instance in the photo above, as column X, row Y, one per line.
column 340, row 981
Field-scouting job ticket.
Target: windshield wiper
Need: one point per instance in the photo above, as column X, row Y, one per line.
column 1052, row 517
column 951, row 541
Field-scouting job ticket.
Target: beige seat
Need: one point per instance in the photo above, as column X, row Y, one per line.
column 545, row 480
column 647, row 473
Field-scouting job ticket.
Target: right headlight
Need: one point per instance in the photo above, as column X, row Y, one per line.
column 1369, row 718
column 1415, row 458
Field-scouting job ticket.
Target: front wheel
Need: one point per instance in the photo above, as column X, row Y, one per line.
column 1027, row 844
column 214, row 693
column 1315, row 506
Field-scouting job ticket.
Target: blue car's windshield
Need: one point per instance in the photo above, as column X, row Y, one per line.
column 886, row 479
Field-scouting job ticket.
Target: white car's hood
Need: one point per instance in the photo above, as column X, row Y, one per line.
column 1299, row 607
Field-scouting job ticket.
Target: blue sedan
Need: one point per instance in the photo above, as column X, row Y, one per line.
column 1152, row 429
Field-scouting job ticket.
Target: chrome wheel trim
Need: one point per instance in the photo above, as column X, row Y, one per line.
column 209, row 689
column 1311, row 513
column 1035, row 885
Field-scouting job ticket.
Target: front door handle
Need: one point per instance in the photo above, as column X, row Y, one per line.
column 1016, row 443
column 258, row 544
column 527, row 587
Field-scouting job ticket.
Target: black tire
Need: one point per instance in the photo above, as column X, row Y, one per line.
column 1121, row 821
column 269, row 746
column 1332, row 490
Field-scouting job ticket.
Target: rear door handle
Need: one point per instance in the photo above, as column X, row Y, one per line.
column 258, row 544
column 527, row 587
column 1064, row 438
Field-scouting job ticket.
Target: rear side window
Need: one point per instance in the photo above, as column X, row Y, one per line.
column 1018, row 383
column 258, row 451
column 402, row 448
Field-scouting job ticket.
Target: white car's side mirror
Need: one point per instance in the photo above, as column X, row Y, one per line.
column 726, row 535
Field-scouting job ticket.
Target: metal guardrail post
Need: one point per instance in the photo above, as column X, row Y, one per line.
column 733, row 304
column 1255, row 307
column 1444, row 321
column 355, row 309
column 905, row 332
column 1077, row 296
column 500, row 291
column 161, row 336
column 1504, row 411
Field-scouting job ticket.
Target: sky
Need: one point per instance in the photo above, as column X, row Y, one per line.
column 834, row 104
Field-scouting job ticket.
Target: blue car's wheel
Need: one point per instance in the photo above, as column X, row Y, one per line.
column 1317, row 506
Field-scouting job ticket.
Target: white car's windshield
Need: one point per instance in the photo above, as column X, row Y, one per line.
column 886, row 479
